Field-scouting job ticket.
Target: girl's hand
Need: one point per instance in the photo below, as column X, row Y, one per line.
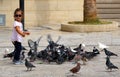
column 23, row 35
column 26, row 32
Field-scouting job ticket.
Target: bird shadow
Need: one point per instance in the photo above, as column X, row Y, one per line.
column 25, row 70
column 108, row 71
column 71, row 76
column 28, row 70
column 111, row 71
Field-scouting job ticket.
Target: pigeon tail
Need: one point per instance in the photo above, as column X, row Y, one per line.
column 33, row 66
column 115, row 67
column 115, row 54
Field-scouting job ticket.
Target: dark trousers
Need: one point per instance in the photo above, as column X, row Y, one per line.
column 17, row 51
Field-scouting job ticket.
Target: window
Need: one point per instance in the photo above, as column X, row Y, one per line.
column 2, row 20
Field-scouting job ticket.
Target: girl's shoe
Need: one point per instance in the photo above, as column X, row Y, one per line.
column 18, row 63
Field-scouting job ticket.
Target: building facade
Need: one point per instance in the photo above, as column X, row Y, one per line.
column 40, row 12
column 7, row 8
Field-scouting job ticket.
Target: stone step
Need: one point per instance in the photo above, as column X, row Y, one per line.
column 107, row 1
column 108, row 11
column 118, row 20
column 109, row 16
column 108, row 6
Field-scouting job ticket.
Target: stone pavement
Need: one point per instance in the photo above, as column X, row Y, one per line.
column 94, row 68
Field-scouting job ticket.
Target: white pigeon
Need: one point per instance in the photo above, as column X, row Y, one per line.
column 73, row 50
column 58, row 51
column 102, row 46
column 6, row 50
column 83, row 45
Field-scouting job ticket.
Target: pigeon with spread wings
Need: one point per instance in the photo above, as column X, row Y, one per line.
column 33, row 48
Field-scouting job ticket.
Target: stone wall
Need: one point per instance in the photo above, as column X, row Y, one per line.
column 39, row 12
column 7, row 7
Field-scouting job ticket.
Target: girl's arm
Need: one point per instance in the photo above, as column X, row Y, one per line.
column 26, row 32
column 20, row 32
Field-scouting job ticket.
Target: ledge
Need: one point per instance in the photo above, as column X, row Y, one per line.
column 89, row 28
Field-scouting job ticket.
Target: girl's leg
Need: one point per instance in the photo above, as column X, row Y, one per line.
column 18, row 48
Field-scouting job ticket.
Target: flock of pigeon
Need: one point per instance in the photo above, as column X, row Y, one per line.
column 55, row 52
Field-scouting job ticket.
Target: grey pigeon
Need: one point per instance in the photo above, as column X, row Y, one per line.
column 109, row 53
column 9, row 55
column 23, row 48
column 109, row 64
column 33, row 48
column 29, row 65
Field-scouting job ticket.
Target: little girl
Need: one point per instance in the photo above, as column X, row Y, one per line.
column 18, row 34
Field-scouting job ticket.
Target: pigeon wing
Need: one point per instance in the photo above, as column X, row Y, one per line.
column 31, row 43
column 49, row 38
column 58, row 39
column 38, row 40
column 102, row 46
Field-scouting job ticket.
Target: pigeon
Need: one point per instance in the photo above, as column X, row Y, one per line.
column 11, row 54
column 29, row 65
column 77, row 58
column 33, row 48
column 22, row 55
column 73, row 50
column 6, row 50
column 84, row 59
column 58, row 39
column 89, row 55
column 109, row 53
column 33, row 56
column 49, row 39
column 83, row 45
column 8, row 55
column 75, row 69
column 23, row 48
column 95, row 50
column 110, row 65
column 102, row 46
column 80, row 48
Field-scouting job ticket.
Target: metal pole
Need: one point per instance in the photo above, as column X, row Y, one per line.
column 21, row 5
